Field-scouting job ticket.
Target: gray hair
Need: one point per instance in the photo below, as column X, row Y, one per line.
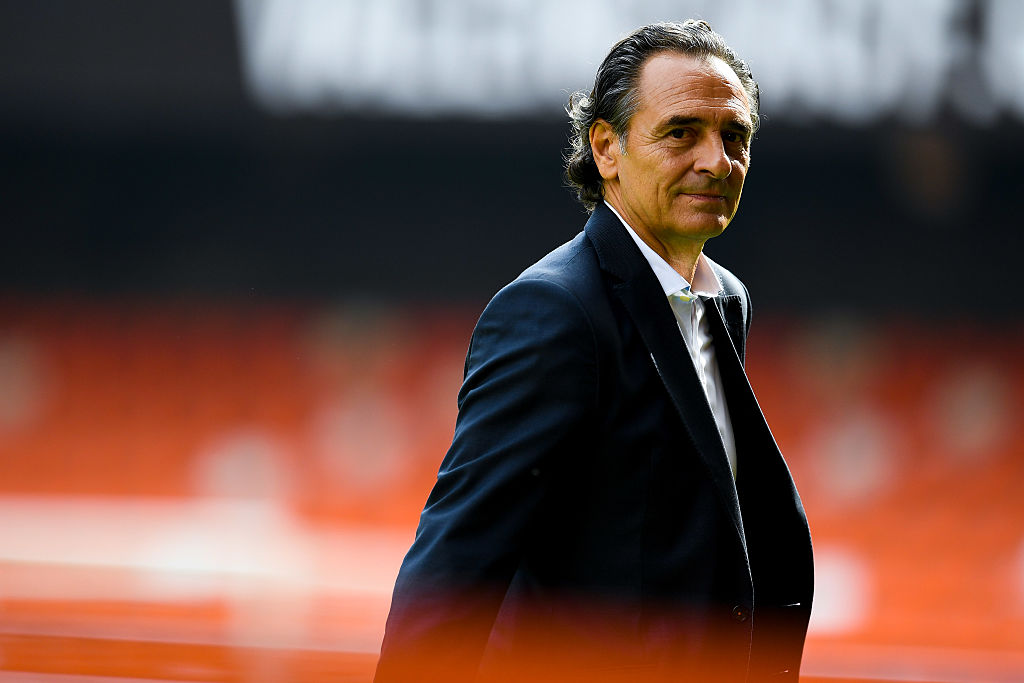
column 615, row 95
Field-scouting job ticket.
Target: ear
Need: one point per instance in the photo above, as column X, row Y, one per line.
column 604, row 144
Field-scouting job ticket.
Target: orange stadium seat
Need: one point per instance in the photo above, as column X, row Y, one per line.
column 252, row 476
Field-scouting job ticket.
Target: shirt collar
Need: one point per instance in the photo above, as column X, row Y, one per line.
column 705, row 280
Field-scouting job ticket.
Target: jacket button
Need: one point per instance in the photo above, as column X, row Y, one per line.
column 740, row 613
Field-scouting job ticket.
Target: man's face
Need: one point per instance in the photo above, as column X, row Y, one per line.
column 687, row 151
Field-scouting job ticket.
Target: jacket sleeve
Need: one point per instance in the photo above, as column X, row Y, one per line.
column 530, row 383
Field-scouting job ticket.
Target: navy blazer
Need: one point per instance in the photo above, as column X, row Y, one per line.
column 586, row 513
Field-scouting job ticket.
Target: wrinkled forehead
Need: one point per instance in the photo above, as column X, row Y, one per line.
column 674, row 80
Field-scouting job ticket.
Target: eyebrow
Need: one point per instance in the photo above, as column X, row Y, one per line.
column 733, row 124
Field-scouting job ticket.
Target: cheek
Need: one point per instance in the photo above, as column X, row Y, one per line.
column 738, row 175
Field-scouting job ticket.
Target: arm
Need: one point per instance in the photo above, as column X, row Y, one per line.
column 531, row 381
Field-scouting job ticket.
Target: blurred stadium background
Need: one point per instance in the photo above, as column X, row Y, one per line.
column 244, row 245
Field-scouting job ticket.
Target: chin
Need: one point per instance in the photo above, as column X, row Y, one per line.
column 704, row 229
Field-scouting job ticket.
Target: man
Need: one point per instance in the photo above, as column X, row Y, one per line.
column 613, row 505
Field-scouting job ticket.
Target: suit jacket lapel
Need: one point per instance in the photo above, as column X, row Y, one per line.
column 749, row 423
column 643, row 298
column 731, row 311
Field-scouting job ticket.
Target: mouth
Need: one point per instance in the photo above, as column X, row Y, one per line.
column 705, row 196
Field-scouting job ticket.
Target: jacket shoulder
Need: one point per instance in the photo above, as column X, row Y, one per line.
column 569, row 273
column 572, row 265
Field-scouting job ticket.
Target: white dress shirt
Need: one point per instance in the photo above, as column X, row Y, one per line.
column 693, row 326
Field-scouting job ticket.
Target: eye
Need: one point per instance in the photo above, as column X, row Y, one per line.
column 679, row 133
column 733, row 137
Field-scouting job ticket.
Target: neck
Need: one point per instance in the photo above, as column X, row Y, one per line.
column 682, row 254
column 683, row 261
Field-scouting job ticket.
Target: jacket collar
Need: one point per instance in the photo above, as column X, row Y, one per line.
column 618, row 255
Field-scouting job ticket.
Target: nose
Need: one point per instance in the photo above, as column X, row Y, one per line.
column 712, row 159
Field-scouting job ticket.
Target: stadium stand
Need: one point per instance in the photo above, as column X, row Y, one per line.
column 224, row 492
